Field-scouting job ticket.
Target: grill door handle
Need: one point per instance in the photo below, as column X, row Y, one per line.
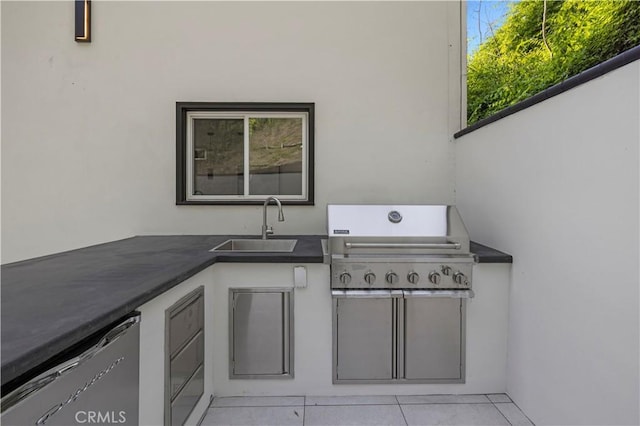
column 366, row 294
column 447, row 246
column 451, row 294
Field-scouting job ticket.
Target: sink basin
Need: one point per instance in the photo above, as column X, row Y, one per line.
column 255, row 245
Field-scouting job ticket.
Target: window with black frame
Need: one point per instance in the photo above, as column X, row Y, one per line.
column 241, row 153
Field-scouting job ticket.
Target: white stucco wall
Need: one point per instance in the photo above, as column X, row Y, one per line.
column 556, row 185
column 88, row 135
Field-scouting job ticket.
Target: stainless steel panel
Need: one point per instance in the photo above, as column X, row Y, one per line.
column 358, row 267
column 286, row 327
column 374, row 229
column 399, row 343
column 186, row 400
column 186, row 318
column 185, row 363
column 433, row 342
column 98, row 386
column 366, row 294
column 261, row 330
column 447, row 294
column 364, row 338
column 326, row 259
column 373, row 220
column 421, row 251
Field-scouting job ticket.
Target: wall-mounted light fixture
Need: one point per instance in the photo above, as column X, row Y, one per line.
column 83, row 21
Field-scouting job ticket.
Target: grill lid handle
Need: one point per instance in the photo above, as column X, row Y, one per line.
column 446, row 246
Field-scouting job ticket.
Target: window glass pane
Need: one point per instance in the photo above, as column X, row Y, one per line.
column 218, row 158
column 275, row 156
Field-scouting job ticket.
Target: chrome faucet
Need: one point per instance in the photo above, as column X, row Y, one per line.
column 266, row 229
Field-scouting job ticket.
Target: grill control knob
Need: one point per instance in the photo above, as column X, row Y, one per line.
column 413, row 277
column 391, row 277
column 446, row 270
column 434, row 277
column 370, row 278
column 459, row 278
column 345, row 278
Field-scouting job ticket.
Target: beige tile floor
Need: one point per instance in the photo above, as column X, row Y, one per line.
column 417, row 410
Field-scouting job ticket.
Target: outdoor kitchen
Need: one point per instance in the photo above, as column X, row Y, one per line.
column 272, row 213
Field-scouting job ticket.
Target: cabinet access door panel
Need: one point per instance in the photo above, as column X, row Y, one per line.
column 365, row 345
column 258, row 333
column 432, row 339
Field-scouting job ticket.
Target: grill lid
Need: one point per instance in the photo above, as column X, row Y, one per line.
column 402, row 229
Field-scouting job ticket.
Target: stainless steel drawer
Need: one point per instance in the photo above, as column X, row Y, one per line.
column 186, row 362
column 185, row 321
column 187, row 399
column 184, row 357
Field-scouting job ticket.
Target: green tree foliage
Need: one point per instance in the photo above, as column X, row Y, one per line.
column 514, row 63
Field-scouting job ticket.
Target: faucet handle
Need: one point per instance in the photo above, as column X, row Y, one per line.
column 269, row 230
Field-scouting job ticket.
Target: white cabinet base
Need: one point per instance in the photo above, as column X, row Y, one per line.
column 486, row 338
column 486, row 335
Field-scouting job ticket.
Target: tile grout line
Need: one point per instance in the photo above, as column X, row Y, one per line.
column 523, row 413
column 438, row 403
column 254, row 406
column 349, row 405
column 362, row 405
column 401, row 410
column 499, row 411
column 304, row 409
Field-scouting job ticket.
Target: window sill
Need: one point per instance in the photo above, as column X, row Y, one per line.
column 242, row 203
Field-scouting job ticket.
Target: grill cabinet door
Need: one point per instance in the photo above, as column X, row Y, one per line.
column 364, row 338
column 432, row 338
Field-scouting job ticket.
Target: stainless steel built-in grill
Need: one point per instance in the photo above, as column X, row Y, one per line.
column 400, row 275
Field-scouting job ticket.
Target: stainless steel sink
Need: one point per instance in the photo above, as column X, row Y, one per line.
column 256, row 245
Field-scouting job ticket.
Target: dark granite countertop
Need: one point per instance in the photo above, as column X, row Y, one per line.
column 50, row 303
column 53, row 302
column 486, row 254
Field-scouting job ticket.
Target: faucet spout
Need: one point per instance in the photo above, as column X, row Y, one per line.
column 266, row 229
